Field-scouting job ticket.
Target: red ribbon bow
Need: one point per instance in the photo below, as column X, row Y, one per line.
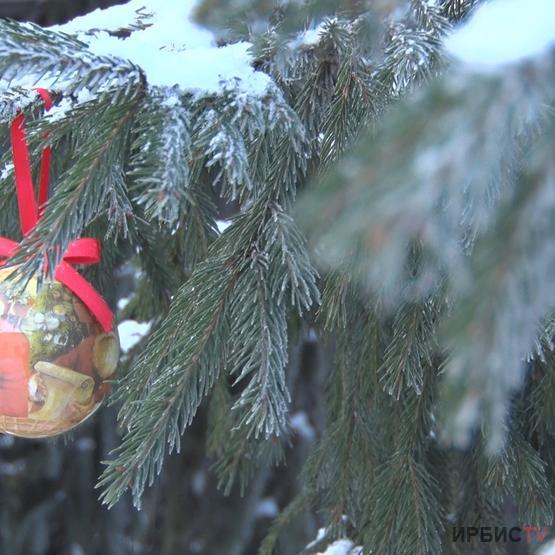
column 81, row 251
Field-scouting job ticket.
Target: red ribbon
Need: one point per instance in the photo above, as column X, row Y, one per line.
column 81, row 251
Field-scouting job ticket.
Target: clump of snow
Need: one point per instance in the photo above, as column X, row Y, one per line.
column 119, row 18
column 84, row 95
column 504, row 31
column 320, row 535
column 267, row 508
column 169, row 47
column 6, row 171
column 547, row 549
column 311, row 336
column 341, row 547
column 309, row 37
column 465, row 419
column 198, row 483
column 24, row 97
column 31, row 81
column 301, row 425
column 223, row 225
column 59, row 111
column 131, row 332
column 167, row 23
column 171, row 101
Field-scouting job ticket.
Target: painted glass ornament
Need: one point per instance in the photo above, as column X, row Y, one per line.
column 56, row 361
column 58, row 349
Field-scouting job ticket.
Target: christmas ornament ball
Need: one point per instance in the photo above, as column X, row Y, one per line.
column 56, row 362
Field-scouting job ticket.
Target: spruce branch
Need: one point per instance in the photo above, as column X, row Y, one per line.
column 342, row 466
column 413, row 51
column 238, row 456
column 159, row 168
column 512, row 297
column 412, row 184
column 541, row 409
column 518, row 472
column 227, row 150
column 336, row 297
column 158, row 283
column 198, row 218
column 27, row 49
column 459, row 173
column 92, row 185
column 275, row 265
column 458, row 10
column 410, row 349
column 169, row 399
column 353, row 103
column 270, row 543
column 235, row 133
column 180, row 365
column 406, row 515
column 262, row 353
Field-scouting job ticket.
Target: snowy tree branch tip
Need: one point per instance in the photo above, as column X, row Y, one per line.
column 168, row 46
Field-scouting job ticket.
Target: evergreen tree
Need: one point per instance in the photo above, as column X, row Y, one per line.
column 383, row 197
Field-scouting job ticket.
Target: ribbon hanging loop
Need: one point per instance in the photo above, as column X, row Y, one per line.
column 81, row 251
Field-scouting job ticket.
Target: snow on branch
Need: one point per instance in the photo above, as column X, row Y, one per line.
column 172, row 50
column 503, row 32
